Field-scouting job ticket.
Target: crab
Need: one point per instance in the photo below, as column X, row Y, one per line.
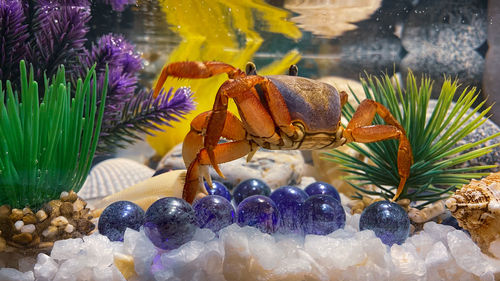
column 282, row 112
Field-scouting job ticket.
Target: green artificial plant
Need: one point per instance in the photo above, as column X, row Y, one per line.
column 433, row 137
column 47, row 146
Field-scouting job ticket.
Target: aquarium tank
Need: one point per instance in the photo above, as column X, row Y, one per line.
column 249, row 140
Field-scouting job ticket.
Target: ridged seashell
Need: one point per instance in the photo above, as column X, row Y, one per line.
column 476, row 207
column 113, row 175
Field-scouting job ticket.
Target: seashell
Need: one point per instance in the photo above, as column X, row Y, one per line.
column 476, row 207
column 113, row 175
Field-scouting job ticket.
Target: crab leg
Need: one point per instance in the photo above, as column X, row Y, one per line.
column 260, row 122
column 360, row 129
column 223, row 152
column 195, row 69
column 195, row 159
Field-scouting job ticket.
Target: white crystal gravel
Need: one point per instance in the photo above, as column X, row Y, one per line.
column 439, row 252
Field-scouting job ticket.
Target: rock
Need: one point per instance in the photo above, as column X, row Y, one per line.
column 41, row 215
column 29, row 218
column 16, row 215
column 22, row 238
column 3, row 244
column 79, row 205
column 50, row 231
column 275, row 167
column 59, row 221
column 18, row 225
column 29, row 228
column 4, row 211
column 66, row 209
column 69, row 228
column 68, row 197
column 45, row 268
column 10, row 274
column 52, row 208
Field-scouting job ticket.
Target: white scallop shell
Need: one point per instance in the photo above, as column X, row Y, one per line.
column 113, row 175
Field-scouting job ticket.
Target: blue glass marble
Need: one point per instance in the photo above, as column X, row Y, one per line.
column 322, row 214
column 289, row 200
column 218, row 188
column 119, row 215
column 320, row 187
column 170, row 222
column 259, row 211
column 248, row 188
column 214, row 212
column 388, row 220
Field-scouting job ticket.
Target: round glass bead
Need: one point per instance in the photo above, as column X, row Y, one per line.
column 248, row 188
column 119, row 215
column 289, row 200
column 388, row 220
column 259, row 211
column 320, row 187
column 218, row 188
column 322, row 214
column 214, row 212
column 170, row 222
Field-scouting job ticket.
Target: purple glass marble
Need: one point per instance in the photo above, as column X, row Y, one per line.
column 388, row 220
column 259, row 211
column 218, row 188
column 214, row 212
column 322, row 214
column 248, row 188
column 289, row 200
column 119, row 216
column 170, row 222
column 320, row 187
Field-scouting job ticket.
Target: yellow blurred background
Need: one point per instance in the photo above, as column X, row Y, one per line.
column 213, row 34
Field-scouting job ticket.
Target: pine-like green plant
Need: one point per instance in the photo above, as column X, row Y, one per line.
column 433, row 139
column 47, row 147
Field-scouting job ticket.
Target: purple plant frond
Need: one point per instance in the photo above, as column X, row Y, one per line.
column 59, row 34
column 144, row 113
column 13, row 36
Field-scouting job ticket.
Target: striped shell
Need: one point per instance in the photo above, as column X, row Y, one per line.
column 476, row 207
column 113, row 175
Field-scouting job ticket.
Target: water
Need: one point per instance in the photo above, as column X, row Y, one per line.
column 324, row 38
column 335, row 39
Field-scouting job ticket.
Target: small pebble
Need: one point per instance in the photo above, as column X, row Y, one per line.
column 27, row 211
column 69, row 228
column 59, row 221
column 18, row 225
column 22, row 238
column 29, row 218
column 16, row 215
column 66, row 209
column 63, row 194
column 41, row 215
column 69, row 197
column 50, row 231
column 3, row 244
column 79, row 205
column 29, row 228
column 4, row 211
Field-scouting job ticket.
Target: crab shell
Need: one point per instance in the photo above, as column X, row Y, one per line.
column 476, row 207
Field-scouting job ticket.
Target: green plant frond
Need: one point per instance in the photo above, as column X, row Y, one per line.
column 432, row 135
column 46, row 147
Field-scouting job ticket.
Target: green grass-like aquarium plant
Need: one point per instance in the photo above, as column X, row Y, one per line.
column 433, row 138
column 47, row 146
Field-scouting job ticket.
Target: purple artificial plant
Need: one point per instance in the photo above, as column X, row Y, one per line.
column 49, row 33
